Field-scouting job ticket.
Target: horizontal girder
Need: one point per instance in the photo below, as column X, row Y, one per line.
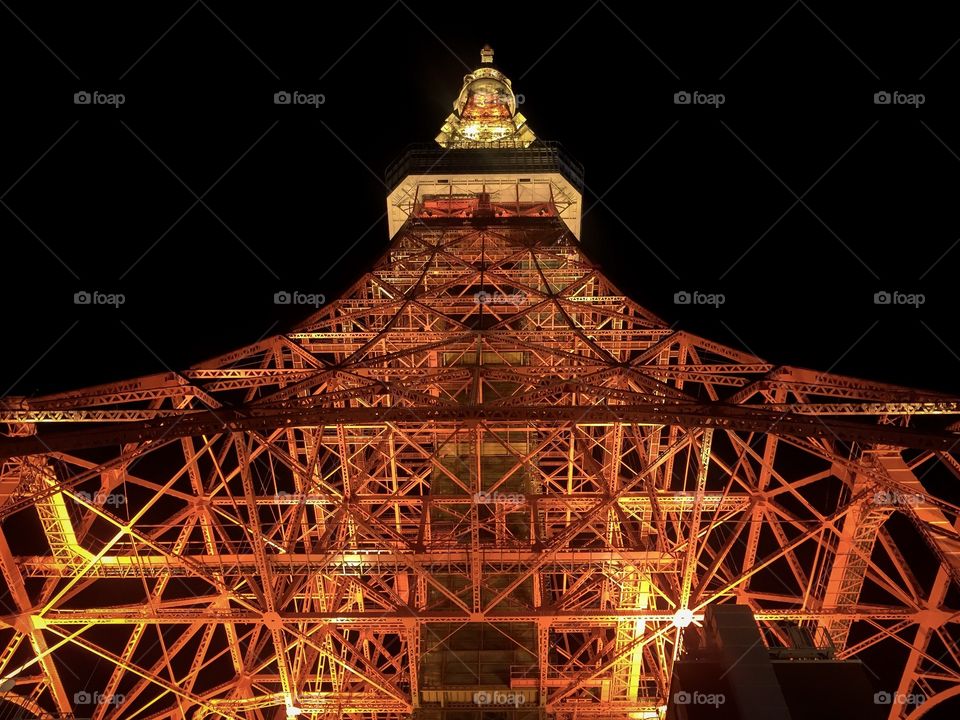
column 691, row 415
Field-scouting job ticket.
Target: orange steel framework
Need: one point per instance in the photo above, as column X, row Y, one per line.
column 481, row 441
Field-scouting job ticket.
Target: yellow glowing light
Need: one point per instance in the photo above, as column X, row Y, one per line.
column 485, row 111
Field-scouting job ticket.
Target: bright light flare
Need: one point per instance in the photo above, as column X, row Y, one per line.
column 683, row 617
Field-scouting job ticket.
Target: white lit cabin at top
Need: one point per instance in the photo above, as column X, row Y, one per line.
column 487, row 163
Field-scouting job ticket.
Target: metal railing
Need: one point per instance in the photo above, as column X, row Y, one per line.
column 506, row 157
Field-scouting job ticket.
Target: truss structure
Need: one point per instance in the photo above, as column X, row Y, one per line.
column 481, row 480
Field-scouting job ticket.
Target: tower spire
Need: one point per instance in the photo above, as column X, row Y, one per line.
column 485, row 112
column 500, row 169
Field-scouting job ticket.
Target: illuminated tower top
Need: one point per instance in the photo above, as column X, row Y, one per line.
column 485, row 112
column 486, row 166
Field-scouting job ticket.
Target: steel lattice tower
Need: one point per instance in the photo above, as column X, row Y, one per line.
column 483, row 469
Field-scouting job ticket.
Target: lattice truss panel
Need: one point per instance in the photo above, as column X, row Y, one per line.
column 481, row 433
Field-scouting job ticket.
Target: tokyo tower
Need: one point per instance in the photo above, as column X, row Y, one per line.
column 482, row 483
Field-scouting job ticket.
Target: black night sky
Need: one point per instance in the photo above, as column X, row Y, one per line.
column 799, row 198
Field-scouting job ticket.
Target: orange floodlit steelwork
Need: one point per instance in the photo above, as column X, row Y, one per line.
column 482, row 479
